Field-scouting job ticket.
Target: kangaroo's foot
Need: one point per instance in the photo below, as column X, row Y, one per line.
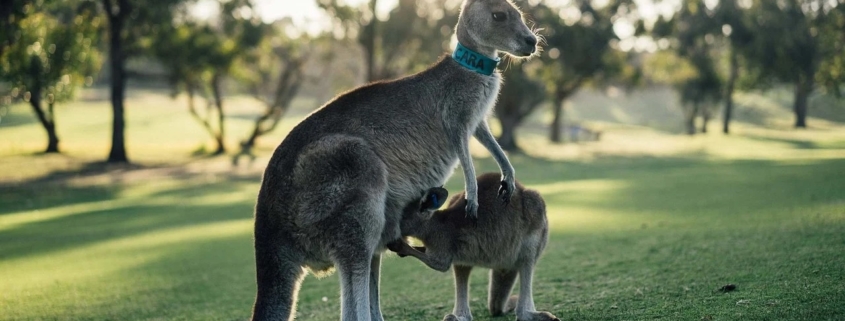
column 537, row 316
column 452, row 317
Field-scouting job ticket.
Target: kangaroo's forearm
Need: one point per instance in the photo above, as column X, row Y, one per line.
column 486, row 138
column 465, row 158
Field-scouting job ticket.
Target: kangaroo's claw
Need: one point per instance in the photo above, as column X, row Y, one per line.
column 506, row 191
column 472, row 209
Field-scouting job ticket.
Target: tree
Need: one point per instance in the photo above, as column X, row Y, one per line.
column 519, row 97
column 402, row 42
column 130, row 23
column 697, row 31
column 199, row 56
column 49, row 56
column 578, row 50
column 831, row 73
column 11, row 14
column 273, row 75
column 791, row 40
column 733, row 20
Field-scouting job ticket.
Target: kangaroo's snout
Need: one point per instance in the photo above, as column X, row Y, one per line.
column 531, row 45
column 526, row 47
column 531, row 41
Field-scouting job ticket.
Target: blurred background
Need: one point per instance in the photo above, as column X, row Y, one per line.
column 671, row 66
column 666, row 136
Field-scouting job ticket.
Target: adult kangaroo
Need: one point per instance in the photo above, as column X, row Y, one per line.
column 334, row 190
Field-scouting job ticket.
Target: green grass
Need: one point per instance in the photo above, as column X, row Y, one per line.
column 645, row 226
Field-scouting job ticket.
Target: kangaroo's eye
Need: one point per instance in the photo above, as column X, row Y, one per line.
column 499, row 16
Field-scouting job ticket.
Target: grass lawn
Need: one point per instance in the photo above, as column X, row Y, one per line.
column 645, row 226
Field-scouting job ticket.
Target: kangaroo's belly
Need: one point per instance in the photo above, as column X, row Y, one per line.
column 410, row 178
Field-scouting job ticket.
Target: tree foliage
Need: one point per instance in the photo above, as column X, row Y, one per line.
column 131, row 26
column 274, row 73
column 796, row 42
column 578, row 50
column 51, row 54
column 520, row 96
column 410, row 38
column 200, row 55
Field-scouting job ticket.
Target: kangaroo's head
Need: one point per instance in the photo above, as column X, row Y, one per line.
column 495, row 25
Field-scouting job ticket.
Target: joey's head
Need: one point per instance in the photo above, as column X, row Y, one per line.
column 416, row 213
column 495, row 25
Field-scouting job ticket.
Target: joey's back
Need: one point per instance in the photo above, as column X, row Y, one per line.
column 501, row 236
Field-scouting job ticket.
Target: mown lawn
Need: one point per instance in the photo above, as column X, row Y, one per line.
column 635, row 236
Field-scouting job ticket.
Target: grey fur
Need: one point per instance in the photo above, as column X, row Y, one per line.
column 508, row 240
column 334, row 189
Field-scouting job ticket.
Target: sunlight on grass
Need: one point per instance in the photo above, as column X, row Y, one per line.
column 66, row 278
column 11, row 221
column 645, row 224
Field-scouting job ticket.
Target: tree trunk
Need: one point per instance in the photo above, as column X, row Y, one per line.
column 802, row 93
column 368, row 41
column 117, row 154
column 507, row 140
column 52, row 138
column 48, row 121
column 218, row 103
column 556, row 134
column 705, row 118
column 690, row 121
column 729, row 101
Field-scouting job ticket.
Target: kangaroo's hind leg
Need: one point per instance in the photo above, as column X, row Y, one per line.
column 353, row 249
column 279, row 273
column 343, row 201
column 375, row 269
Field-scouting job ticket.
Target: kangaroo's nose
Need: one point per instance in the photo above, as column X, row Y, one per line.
column 531, row 41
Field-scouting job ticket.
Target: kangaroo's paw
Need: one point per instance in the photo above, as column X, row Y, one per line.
column 400, row 247
column 506, row 189
column 471, row 209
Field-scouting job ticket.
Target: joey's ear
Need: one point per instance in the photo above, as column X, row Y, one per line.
column 433, row 199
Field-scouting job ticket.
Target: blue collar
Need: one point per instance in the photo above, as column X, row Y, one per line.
column 474, row 61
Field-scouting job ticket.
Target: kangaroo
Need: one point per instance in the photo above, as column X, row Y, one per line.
column 334, row 190
column 508, row 240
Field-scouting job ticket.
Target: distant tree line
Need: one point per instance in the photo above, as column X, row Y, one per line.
column 49, row 48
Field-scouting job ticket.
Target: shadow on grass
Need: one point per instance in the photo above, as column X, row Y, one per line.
column 684, row 185
column 54, row 189
column 97, row 221
column 640, row 271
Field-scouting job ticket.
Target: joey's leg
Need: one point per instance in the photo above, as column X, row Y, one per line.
column 525, row 310
column 461, row 311
column 486, row 138
column 501, row 284
column 437, row 262
column 461, row 144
